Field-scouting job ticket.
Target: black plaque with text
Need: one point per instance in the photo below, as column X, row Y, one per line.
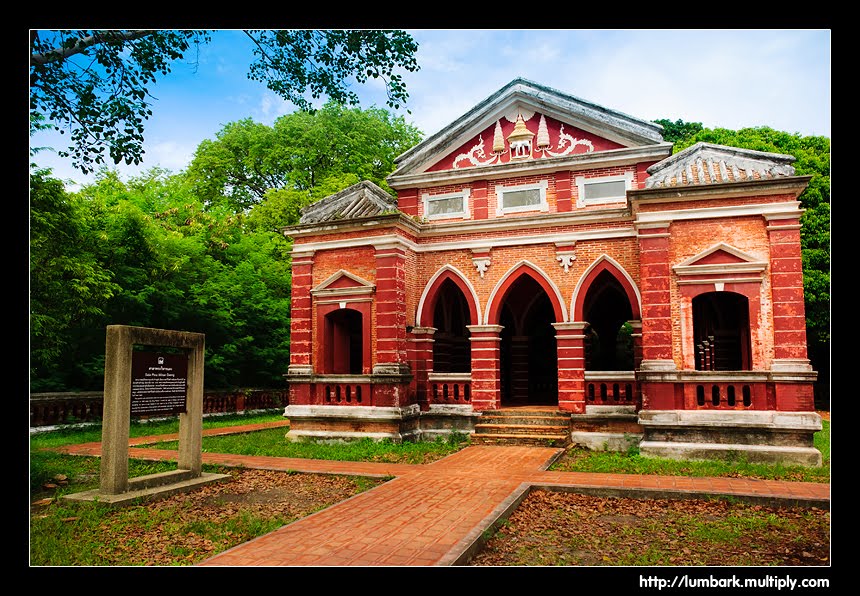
column 159, row 383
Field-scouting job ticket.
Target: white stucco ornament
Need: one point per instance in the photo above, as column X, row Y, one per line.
column 566, row 260
column 476, row 156
column 566, row 144
column 481, row 264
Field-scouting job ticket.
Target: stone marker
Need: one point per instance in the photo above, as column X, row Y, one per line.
column 150, row 382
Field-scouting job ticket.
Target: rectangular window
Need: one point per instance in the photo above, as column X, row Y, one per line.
column 520, row 198
column 608, row 189
column 447, row 206
column 525, row 197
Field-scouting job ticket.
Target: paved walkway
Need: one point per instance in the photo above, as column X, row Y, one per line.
column 435, row 514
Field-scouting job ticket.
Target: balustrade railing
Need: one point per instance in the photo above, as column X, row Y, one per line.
column 450, row 388
column 612, row 388
column 49, row 409
column 343, row 390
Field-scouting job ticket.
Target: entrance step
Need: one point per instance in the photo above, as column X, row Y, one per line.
column 522, row 426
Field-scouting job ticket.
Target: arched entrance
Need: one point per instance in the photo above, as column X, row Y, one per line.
column 608, row 341
column 528, row 360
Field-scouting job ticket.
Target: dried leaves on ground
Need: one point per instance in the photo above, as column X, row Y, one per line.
column 562, row 528
column 189, row 527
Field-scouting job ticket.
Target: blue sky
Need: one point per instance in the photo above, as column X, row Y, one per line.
column 721, row 78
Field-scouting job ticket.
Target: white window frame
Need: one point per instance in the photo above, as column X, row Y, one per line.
column 582, row 182
column 500, row 198
column 464, row 214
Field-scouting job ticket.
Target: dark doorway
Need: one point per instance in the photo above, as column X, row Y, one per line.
column 721, row 331
column 608, row 339
column 528, row 355
column 343, row 342
column 451, row 347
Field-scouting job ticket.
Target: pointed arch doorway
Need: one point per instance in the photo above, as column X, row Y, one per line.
column 528, row 360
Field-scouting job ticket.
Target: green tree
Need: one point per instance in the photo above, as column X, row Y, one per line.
column 174, row 265
column 679, row 131
column 69, row 286
column 248, row 161
column 95, row 84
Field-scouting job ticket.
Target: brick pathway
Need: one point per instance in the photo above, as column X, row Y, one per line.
column 435, row 514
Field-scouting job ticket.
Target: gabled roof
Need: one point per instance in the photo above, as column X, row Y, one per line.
column 705, row 163
column 364, row 199
column 616, row 126
column 343, row 282
column 720, row 258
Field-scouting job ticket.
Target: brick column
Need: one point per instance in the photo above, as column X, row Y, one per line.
column 301, row 325
column 563, row 193
column 422, row 363
column 786, row 280
column 486, row 383
column 391, row 355
column 479, row 200
column 637, row 342
column 300, row 311
column 656, row 318
column 792, row 372
column 391, row 372
column 570, row 342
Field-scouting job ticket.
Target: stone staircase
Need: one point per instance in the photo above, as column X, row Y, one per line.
column 543, row 427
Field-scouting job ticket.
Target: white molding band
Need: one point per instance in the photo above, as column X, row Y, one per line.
column 791, row 209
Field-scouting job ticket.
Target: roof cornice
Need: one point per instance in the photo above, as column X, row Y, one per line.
column 398, row 220
column 788, row 185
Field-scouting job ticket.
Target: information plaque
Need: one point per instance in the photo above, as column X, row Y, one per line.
column 159, row 383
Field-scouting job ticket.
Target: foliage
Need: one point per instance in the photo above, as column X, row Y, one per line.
column 69, row 286
column 95, row 84
column 298, row 155
column 678, row 131
column 171, row 265
column 291, row 61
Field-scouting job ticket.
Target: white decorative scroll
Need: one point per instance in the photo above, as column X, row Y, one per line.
column 566, row 144
column 481, row 264
column 566, row 260
column 475, row 155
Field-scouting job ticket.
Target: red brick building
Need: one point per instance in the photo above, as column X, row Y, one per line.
column 552, row 256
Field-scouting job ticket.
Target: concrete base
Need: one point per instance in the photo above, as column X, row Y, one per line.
column 345, row 423
column 444, row 420
column 750, row 435
column 764, row 454
column 597, row 441
column 606, row 428
column 151, row 486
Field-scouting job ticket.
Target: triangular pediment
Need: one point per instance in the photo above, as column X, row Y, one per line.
column 343, row 282
column 720, row 258
column 706, row 163
column 554, row 124
column 364, row 199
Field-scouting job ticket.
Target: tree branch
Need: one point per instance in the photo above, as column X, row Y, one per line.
column 82, row 44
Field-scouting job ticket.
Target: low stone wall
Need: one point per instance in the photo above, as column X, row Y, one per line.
column 50, row 409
